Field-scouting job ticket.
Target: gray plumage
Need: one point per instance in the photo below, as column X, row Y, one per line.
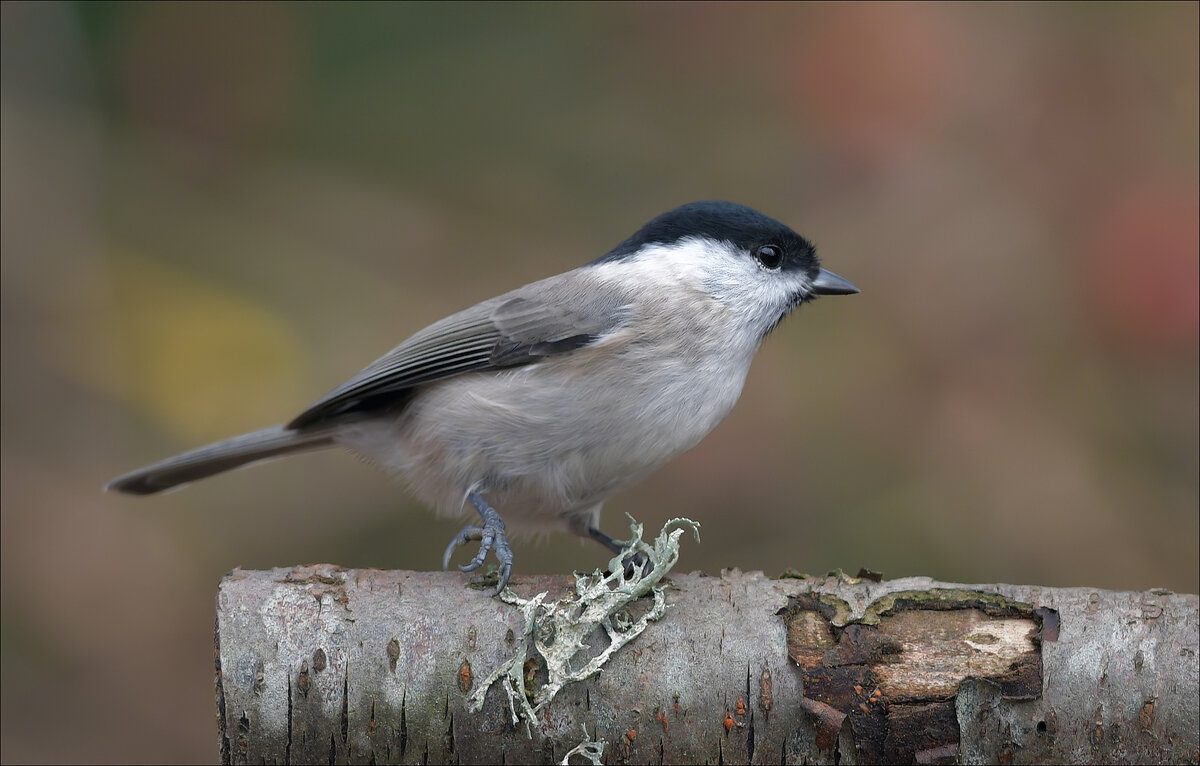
column 550, row 398
column 219, row 457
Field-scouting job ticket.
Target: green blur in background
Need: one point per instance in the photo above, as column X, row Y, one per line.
column 213, row 214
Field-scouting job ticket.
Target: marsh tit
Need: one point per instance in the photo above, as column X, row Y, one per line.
column 547, row 400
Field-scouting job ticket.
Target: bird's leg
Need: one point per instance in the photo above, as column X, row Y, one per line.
column 633, row 563
column 491, row 536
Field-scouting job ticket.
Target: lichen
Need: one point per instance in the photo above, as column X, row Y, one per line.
column 991, row 604
column 558, row 631
column 591, row 749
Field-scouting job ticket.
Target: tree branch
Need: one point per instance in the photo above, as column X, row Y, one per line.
column 324, row 664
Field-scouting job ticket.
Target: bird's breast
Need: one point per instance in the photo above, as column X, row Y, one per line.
column 564, row 433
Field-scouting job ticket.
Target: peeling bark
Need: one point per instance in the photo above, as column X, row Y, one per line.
column 321, row 664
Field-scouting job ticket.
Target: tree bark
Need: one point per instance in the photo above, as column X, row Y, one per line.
column 322, row 664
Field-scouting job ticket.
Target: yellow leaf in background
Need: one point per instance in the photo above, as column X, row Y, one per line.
column 202, row 360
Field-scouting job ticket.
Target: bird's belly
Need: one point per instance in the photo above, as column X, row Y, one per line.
column 539, row 441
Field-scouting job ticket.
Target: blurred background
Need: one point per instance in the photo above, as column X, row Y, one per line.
column 214, row 213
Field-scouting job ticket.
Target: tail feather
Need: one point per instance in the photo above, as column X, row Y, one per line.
column 268, row 443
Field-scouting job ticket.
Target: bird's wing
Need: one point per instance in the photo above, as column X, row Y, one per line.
column 554, row 316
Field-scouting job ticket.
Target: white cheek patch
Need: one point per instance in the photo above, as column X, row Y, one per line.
column 758, row 296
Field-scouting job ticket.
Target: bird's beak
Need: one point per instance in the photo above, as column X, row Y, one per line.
column 828, row 283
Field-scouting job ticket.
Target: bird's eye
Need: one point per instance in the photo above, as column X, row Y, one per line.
column 770, row 256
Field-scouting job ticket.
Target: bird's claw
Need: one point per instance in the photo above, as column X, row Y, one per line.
column 465, row 535
column 492, row 537
column 635, row 565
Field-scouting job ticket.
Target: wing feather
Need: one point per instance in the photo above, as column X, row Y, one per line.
column 521, row 327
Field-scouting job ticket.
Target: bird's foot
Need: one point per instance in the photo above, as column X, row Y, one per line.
column 492, row 537
column 634, row 563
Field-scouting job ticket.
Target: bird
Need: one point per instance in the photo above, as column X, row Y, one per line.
column 547, row 400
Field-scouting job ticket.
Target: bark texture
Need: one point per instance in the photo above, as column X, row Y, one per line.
column 321, row 664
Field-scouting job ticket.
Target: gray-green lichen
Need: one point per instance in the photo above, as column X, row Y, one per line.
column 593, row 750
column 559, row 630
column 992, row 604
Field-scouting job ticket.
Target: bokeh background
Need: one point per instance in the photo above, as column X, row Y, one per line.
column 212, row 214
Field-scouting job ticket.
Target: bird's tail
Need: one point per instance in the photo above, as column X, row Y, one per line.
column 268, row 443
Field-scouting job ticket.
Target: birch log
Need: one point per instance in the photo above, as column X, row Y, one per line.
column 322, row 664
